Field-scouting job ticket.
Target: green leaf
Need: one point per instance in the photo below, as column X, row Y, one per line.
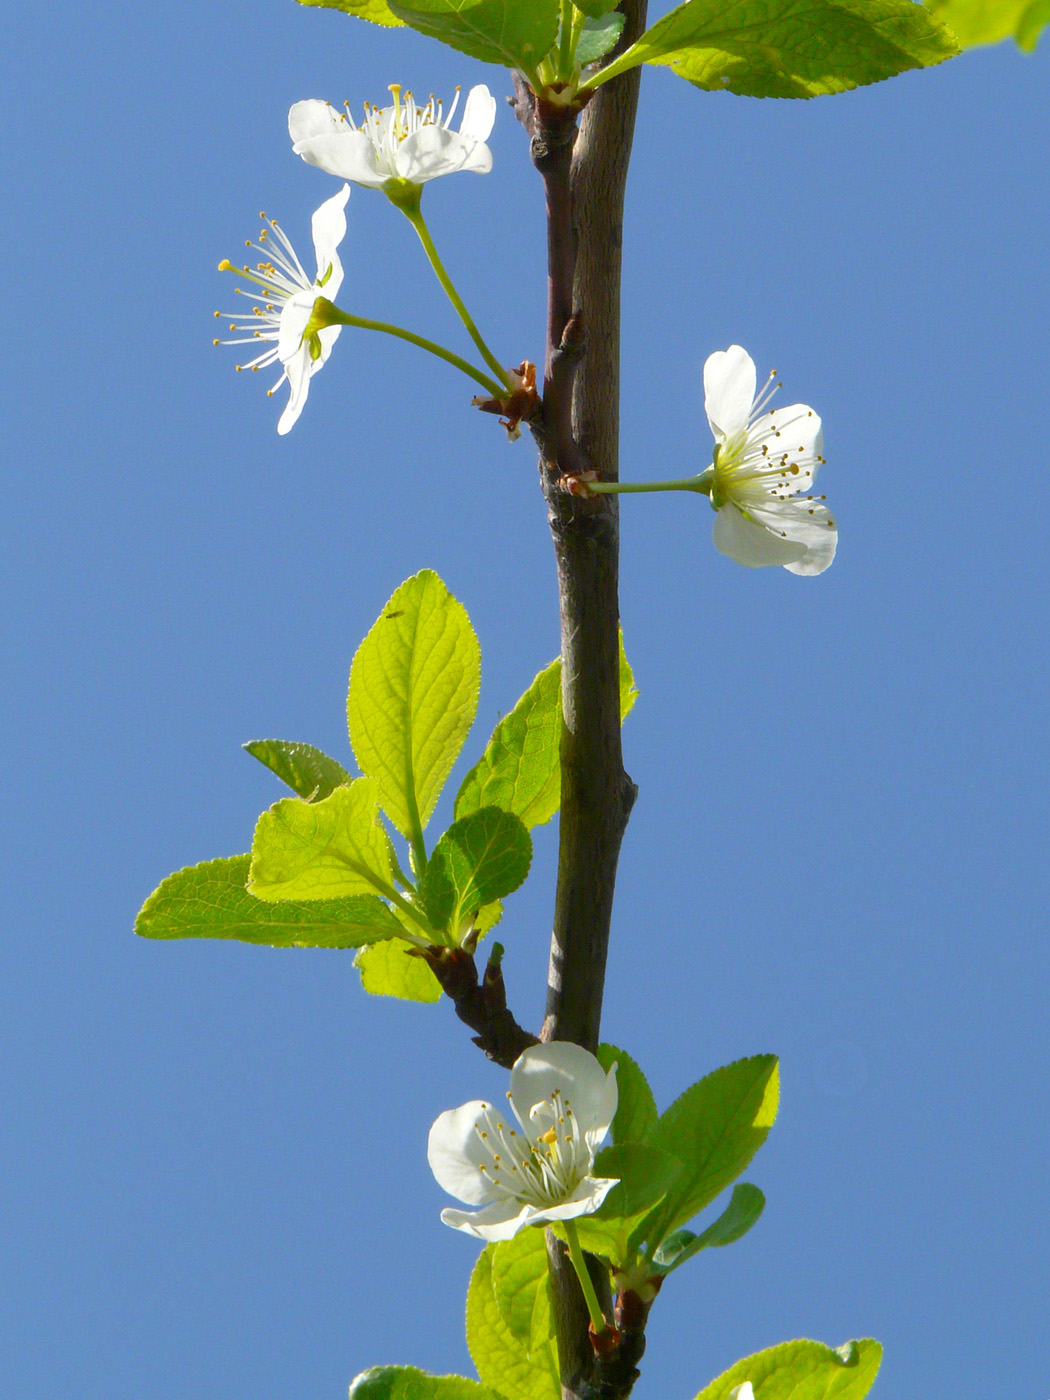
column 211, row 901
column 784, row 48
column 598, row 37
column 521, row 1285
column 478, row 860
column 407, row 1383
column 644, row 1175
column 501, row 1359
column 520, row 769
column 514, row 33
column 413, row 696
column 306, row 770
column 595, row 8
column 636, row 1113
column 377, row 11
column 321, row 850
column 390, row 969
column 990, row 21
column 803, row 1371
column 745, row 1206
column 714, row 1128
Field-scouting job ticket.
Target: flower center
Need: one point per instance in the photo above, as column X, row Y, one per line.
column 388, row 127
column 540, row 1170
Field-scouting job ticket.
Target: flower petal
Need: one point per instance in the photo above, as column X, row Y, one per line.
column 753, row 544
column 329, row 230
column 742, row 1392
column 456, row 1154
column 729, row 390
column 298, row 371
column 313, row 118
column 433, row 150
column 572, row 1071
column 343, row 152
column 810, row 523
column 500, row 1221
column 479, row 114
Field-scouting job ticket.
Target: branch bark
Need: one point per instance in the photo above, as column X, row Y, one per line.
column 585, row 179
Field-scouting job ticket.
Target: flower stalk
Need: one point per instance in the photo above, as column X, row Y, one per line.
column 326, row 313
column 408, row 198
column 579, row 1263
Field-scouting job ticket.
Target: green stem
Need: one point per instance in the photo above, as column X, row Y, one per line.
column 701, row 484
column 409, row 206
column 598, row 1321
column 326, row 313
column 567, row 47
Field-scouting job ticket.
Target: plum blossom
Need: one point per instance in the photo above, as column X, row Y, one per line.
column 284, row 295
column 403, row 143
column 563, row 1102
column 765, row 464
column 742, row 1392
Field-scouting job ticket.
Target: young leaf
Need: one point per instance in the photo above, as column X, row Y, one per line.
column 988, row 21
column 636, row 1113
column 377, row 11
column 595, row 9
column 714, row 1128
column 778, row 48
column 644, row 1176
column 389, row 969
column 803, row 1371
column 406, row 1383
column 307, row 771
column 478, row 860
column 322, row 850
column 598, row 37
column 745, row 1206
column 519, row 770
column 521, row 1285
column 501, row 1360
column 413, row 695
column 513, row 33
column 211, row 901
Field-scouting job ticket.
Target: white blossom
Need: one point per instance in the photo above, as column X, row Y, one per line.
column 742, row 1392
column 284, row 295
column 403, row 142
column 563, row 1103
column 765, row 465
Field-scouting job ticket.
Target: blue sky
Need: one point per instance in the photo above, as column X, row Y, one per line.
column 213, row 1156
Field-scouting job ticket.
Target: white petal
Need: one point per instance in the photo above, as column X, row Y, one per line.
column 576, row 1074
column 751, row 544
column 295, row 314
column 742, row 1392
column 346, row 153
column 585, row 1199
column 432, row 151
column 500, row 1221
column 729, row 390
column 298, row 371
column 479, row 114
column 812, row 524
column 329, row 230
column 456, row 1153
column 793, row 441
column 313, row 118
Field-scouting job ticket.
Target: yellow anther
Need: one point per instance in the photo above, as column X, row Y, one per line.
column 215, row 342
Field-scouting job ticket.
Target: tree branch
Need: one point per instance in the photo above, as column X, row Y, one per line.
column 585, row 179
column 482, row 1005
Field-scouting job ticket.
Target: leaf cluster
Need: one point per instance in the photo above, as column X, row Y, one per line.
column 324, row 870
column 756, row 48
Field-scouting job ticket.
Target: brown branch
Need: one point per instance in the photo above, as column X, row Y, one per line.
column 585, row 179
column 480, row 1004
